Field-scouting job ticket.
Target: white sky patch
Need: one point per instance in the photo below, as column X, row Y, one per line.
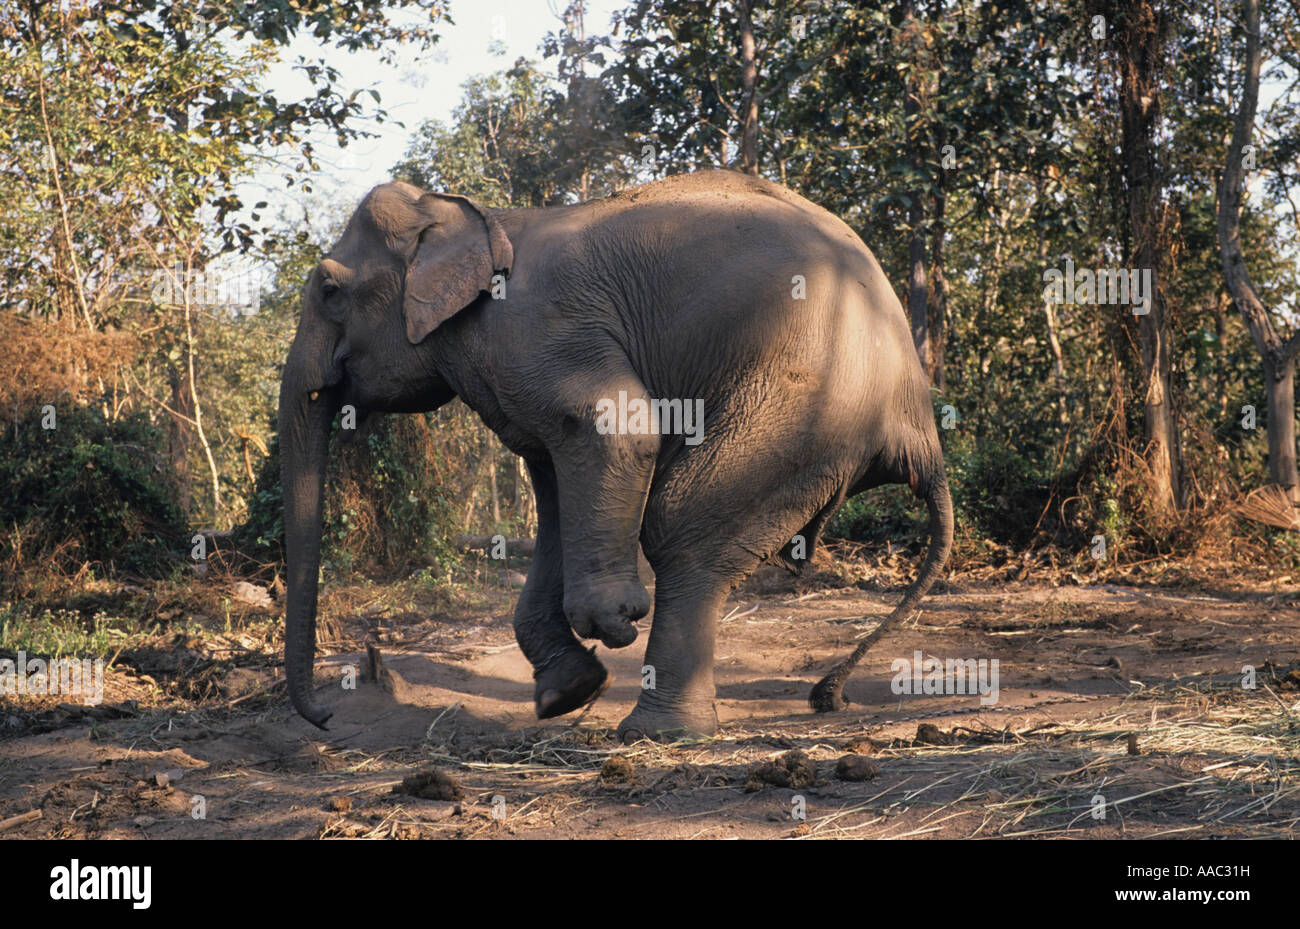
column 415, row 88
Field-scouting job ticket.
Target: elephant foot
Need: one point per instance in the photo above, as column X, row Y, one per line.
column 607, row 611
column 667, row 725
column 572, row 680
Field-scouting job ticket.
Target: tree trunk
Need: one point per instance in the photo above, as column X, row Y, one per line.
column 748, row 86
column 1140, row 45
column 1278, row 357
column 990, row 284
column 1049, row 317
column 191, row 351
column 496, row 493
column 527, row 505
column 1058, row 361
column 917, row 291
column 938, row 301
column 179, row 435
column 1222, row 303
column 938, row 291
column 1279, row 382
column 575, row 18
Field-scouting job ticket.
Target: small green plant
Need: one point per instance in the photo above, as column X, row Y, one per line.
column 1114, row 524
column 61, row 633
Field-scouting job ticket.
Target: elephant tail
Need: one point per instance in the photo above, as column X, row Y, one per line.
column 828, row 694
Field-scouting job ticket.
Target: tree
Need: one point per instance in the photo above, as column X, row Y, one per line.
column 1140, row 31
column 125, row 129
column 512, row 142
column 1277, row 356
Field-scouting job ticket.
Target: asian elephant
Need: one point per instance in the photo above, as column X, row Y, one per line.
column 560, row 327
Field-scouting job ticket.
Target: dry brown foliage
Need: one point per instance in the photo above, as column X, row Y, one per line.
column 44, row 362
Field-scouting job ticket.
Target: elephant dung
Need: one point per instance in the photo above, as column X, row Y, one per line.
column 930, row 734
column 618, row 770
column 793, row 769
column 430, row 785
column 856, row 768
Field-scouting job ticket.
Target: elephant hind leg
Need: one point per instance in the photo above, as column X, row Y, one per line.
column 692, row 581
column 797, row 553
column 702, row 536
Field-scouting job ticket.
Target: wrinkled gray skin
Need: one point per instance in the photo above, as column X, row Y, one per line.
column 681, row 288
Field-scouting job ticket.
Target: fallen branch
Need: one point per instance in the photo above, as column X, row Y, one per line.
column 29, row 817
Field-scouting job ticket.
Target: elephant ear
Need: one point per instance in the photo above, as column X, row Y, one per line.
column 459, row 247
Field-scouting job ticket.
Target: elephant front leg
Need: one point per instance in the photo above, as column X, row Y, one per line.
column 677, row 685
column 603, row 478
column 567, row 675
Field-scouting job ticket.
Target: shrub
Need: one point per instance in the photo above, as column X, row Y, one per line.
column 385, row 509
column 91, row 490
column 997, row 494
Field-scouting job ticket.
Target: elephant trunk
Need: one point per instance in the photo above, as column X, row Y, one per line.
column 304, row 426
column 828, row 694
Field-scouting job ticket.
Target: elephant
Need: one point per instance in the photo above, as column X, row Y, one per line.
column 560, row 326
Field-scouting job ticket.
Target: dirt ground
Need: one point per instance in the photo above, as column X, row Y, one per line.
column 1121, row 713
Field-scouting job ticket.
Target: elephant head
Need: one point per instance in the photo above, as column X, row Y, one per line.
column 407, row 262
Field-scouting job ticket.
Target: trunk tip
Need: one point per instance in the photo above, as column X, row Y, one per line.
column 314, row 713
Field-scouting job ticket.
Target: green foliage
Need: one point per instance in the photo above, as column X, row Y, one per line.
column 126, row 130
column 62, row 632
column 385, row 506
column 88, row 491
column 998, row 494
column 242, row 358
column 880, row 515
column 514, row 141
column 261, row 533
column 1113, row 524
column 126, row 133
column 385, row 512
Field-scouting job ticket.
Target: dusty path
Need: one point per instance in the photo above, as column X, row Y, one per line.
column 1080, row 669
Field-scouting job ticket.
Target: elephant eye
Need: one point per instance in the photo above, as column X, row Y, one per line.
column 329, row 289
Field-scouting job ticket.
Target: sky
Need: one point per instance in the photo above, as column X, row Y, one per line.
column 412, row 90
